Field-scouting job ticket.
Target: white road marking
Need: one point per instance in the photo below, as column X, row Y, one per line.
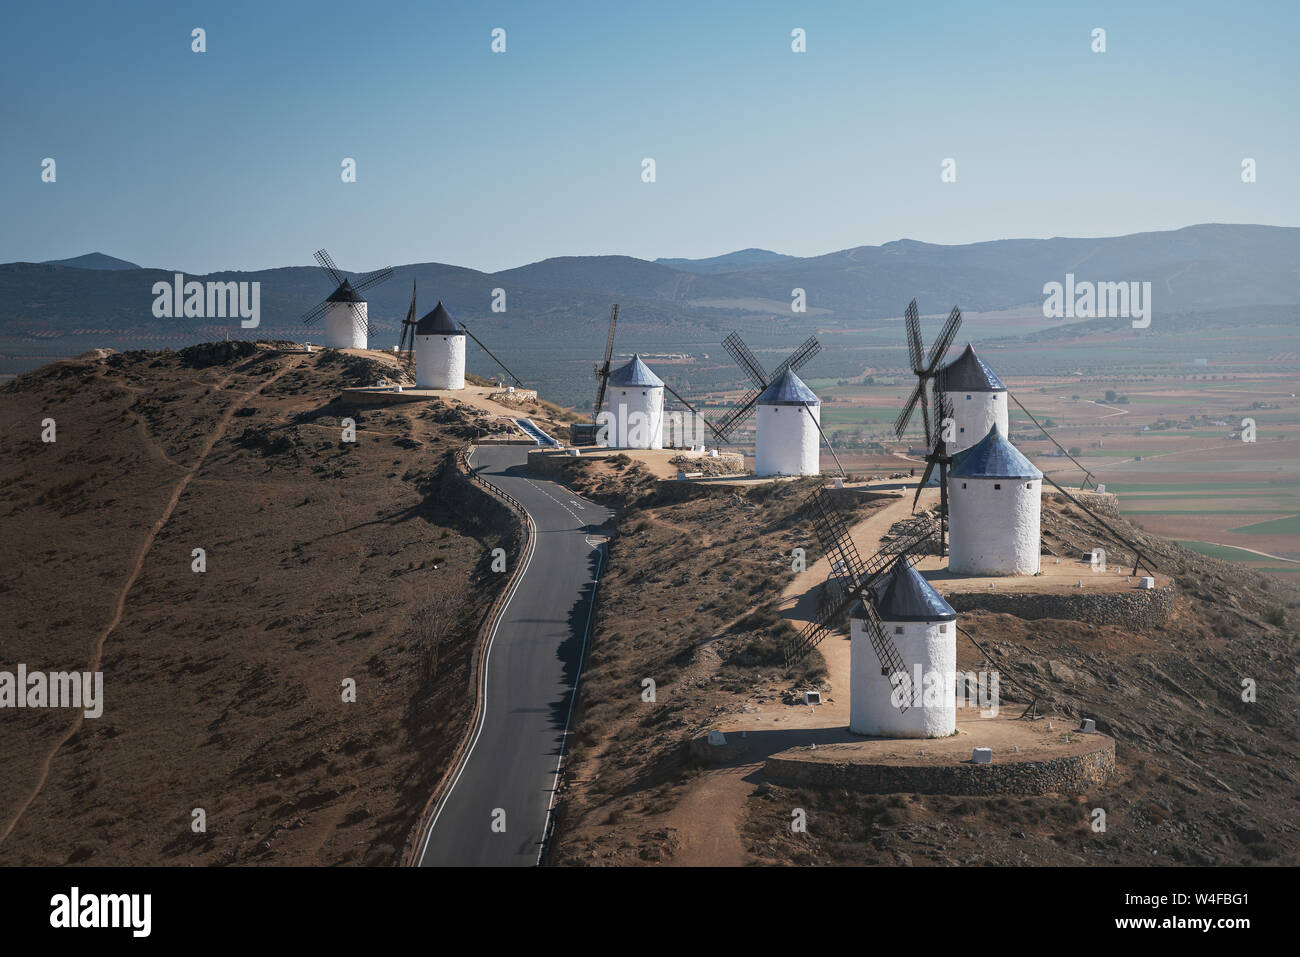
column 482, row 718
column 577, row 680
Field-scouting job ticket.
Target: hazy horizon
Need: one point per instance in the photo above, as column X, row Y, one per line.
column 572, row 255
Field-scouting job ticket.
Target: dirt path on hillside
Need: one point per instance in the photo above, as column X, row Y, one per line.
column 98, row 656
column 707, row 816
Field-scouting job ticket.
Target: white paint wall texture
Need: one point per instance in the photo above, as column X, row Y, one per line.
column 932, row 645
column 994, row 525
column 440, row 362
column 342, row 330
column 626, row 432
column 974, row 416
column 787, row 441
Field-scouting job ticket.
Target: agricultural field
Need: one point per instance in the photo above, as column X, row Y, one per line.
column 1169, row 443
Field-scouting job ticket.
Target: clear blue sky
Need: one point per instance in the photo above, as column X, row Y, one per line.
column 230, row 158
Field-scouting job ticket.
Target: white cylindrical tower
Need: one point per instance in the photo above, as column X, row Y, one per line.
column 978, row 397
column 994, row 510
column 788, row 437
column 923, row 629
column 636, row 407
column 345, row 318
column 439, row 351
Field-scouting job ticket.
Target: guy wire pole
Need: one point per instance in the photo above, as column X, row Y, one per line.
column 843, row 474
column 1087, row 476
column 1139, row 558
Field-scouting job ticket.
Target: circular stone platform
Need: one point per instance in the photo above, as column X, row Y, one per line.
column 1044, row 762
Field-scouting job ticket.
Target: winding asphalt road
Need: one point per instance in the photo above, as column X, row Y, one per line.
column 532, row 669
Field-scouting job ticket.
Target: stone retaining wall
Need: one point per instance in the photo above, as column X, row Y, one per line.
column 1146, row 609
column 1071, row 774
column 1103, row 503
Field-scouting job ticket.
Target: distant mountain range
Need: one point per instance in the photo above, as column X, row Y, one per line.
column 730, row 262
column 1203, row 267
column 92, row 261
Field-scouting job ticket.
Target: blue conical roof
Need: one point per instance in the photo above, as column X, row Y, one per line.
column 635, row 373
column 788, row 389
column 993, row 457
column 968, row 373
column 904, row 595
column 438, row 322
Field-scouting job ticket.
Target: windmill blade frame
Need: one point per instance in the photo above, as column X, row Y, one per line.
column 900, row 423
column 602, row 371
column 326, row 263
column 406, row 342
column 745, row 358
column 518, row 381
column 941, row 344
column 800, row 357
column 315, row 313
column 831, row 528
column 362, row 319
column 372, row 279
column 912, row 322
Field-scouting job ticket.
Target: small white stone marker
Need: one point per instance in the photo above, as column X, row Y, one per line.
column 1049, row 726
column 839, row 482
column 717, row 738
column 1088, row 726
column 1067, row 737
column 1015, row 747
column 982, row 756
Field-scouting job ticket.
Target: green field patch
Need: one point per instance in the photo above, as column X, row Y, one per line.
column 1201, row 511
column 1225, row 552
column 1287, row 488
column 1278, row 526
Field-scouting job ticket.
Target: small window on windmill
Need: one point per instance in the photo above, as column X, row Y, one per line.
column 884, row 672
column 997, row 485
column 1029, row 485
column 967, row 398
column 643, row 391
column 963, row 484
column 898, row 629
column 962, row 429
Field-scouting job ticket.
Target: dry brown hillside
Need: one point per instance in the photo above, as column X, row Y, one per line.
column 686, row 599
column 326, row 561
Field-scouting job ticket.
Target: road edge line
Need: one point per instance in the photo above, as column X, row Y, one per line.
column 446, row 784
